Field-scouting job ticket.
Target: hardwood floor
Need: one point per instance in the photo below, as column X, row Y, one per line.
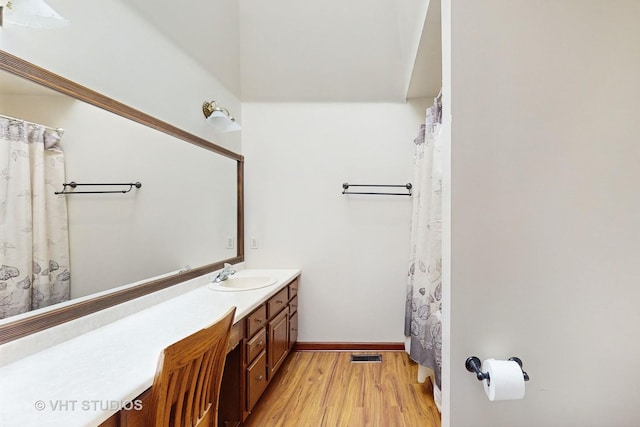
column 326, row 389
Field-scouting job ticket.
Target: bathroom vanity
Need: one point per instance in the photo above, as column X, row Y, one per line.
column 261, row 343
column 103, row 377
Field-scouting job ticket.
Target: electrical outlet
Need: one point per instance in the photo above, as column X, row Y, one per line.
column 230, row 243
column 253, row 243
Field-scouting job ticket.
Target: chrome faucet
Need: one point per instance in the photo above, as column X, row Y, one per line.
column 225, row 273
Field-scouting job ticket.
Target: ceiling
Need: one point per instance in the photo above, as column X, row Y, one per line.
column 301, row 51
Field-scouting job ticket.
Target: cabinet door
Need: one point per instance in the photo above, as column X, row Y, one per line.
column 278, row 341
column 293, row 329
column 256, row 380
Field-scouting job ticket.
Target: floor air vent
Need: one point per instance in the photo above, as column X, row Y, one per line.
column 366, row 358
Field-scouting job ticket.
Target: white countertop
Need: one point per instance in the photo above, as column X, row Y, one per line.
column 83, row 381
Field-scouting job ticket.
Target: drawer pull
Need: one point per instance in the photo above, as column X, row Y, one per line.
column 260, row 377
column 260, row 344
column 259, row 321
column 279, row 301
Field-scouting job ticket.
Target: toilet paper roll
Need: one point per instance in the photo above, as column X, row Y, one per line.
column 505, row 381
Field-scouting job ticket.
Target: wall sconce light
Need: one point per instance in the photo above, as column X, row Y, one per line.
column 32, row 14
column 220, row 117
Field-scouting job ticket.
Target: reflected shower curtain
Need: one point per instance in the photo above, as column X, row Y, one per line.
column 34, row 238
column 423, row 314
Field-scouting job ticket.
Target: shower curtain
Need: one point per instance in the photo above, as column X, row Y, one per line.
column 423, row 327
column 34, row 238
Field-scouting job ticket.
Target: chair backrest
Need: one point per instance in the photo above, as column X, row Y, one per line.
column 187, row 382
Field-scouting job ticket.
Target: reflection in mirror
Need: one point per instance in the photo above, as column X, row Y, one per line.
column 188, row 211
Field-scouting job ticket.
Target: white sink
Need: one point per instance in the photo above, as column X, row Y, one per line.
column 243, row 283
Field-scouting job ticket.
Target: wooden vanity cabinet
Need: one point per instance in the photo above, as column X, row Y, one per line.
column 258, row 346
column 256, row 358
column 293, row 313
column 263, row 345
column 277, row 331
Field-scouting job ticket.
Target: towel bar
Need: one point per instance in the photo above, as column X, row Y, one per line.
column 346, row 186
column 73, row 184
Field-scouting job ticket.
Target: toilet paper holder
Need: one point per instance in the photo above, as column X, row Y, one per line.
column 473, row 364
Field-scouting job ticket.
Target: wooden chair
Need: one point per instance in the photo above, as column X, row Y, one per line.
column 187, row 382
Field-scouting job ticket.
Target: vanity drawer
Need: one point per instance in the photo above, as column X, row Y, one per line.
column 277, row 302
column 293, row 305
column 256, row 320
column 293, row 289
column 237, row 333
column 256, row 380
column 256, row 344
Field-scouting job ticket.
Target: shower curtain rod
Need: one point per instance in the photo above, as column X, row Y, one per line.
column 346, row 186
column 4, row 116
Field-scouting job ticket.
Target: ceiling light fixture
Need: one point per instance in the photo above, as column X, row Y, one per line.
column 220, row 117
column 32, row 14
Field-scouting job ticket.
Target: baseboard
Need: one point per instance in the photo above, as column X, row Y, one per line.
column 348, row 346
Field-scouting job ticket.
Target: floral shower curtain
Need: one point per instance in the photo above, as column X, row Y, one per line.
column 423, row 327
column 34, row 239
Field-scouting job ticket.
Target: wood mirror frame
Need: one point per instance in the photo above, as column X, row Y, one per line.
column 40, row 321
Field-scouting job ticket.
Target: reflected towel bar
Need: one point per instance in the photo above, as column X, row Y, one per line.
column 73, row 184
column 346, row 186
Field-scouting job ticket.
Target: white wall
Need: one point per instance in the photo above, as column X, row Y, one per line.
column 213, row 26
column 545, row 205
column 352, row 250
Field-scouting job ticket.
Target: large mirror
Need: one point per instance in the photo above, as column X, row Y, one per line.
column 185, row 220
